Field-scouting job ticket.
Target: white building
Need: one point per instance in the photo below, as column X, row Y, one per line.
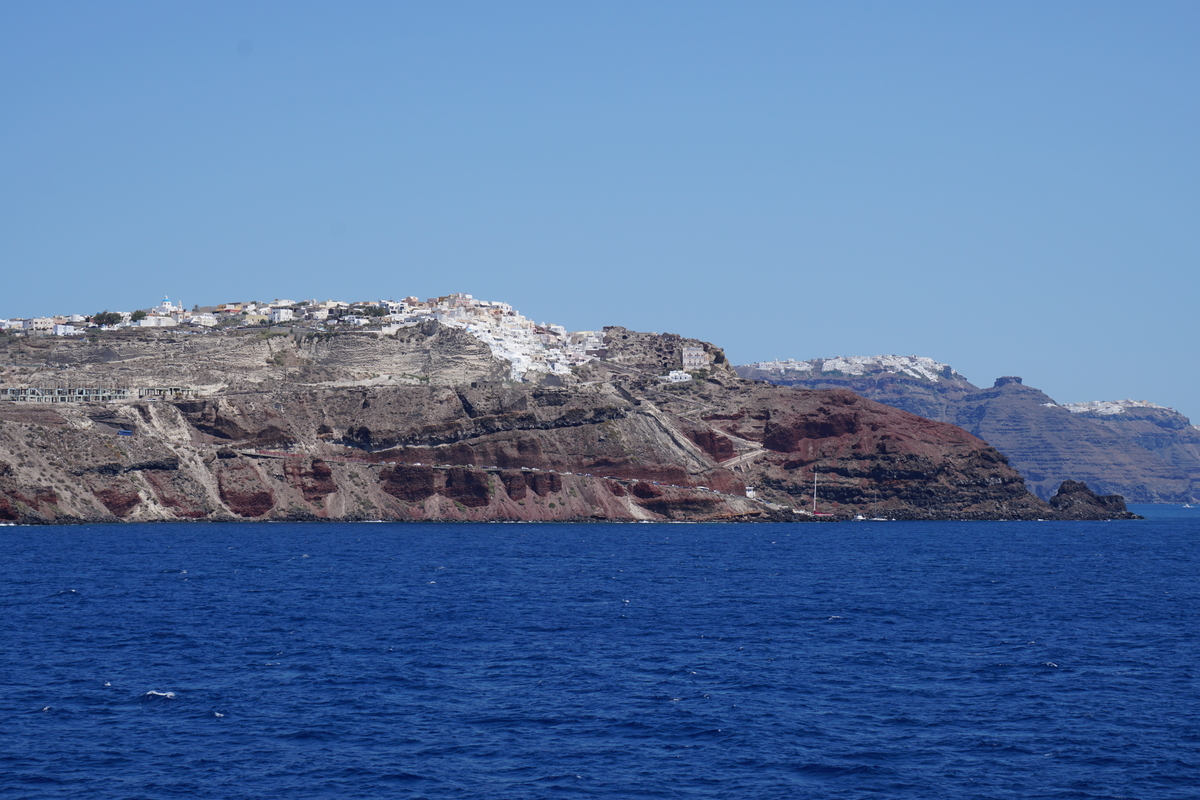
column 66, row 330
column 278, row 315
column 206, row 320
column 167, row 308
column 694, row 358
column 39, row 324
column 154, row 321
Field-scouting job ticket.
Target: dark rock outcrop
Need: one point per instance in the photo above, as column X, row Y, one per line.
column 545, row 484
column 314, row 479
column 242, row 491
column 119, row 496
column 515, row 485
column 1074, row 500
column 411, row 484
column 468, row 486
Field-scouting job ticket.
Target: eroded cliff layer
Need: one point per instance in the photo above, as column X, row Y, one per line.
column 261, row 358
column 409, row 453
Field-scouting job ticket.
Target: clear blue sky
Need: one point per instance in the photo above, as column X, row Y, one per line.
column 1011, row 188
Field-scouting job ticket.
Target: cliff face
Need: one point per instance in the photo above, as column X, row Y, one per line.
column 250, row 359
column 373, row 453
column 1148, row 455
column 1162, row 431
column 855, row 455
column 1050, row 444
column 614, row 443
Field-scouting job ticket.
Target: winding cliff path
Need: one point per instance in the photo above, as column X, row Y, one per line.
column 742, row 459
column 747, row 450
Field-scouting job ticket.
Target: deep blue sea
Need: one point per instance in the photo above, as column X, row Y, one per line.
column 851, row 660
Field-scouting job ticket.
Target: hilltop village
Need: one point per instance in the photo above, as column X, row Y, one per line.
column 529, row 347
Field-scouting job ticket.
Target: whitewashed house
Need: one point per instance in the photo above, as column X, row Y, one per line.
column 694, row 358
column 204, row 320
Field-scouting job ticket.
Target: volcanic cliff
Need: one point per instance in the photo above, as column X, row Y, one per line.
column 423, row 425
column 1146, row 453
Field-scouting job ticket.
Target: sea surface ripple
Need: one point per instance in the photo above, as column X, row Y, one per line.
column 874, row 659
